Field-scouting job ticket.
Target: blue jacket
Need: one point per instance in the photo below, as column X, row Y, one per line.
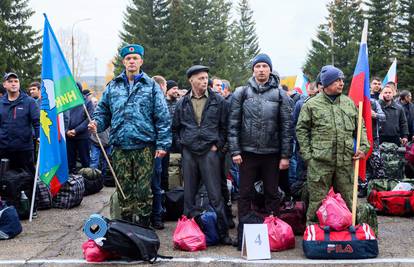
column 76, row 119
column 138, row 117
column 19, row 120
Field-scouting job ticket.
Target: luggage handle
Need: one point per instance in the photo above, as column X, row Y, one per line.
column 351, row 229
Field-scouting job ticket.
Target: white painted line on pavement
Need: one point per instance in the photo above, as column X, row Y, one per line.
column 217, row 260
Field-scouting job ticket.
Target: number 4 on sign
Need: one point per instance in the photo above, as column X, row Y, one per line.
column 255, row 244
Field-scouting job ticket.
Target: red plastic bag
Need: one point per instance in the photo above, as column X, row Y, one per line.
column 94, row 253
column 281, row 235
column 188, row 235
column 334, row 213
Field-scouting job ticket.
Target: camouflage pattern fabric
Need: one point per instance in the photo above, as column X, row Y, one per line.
column 134, row 170
column 375, row 166
column 393, row 161
column 367, row 214
column 386, row 184
column 326, row 130
column 114, row 209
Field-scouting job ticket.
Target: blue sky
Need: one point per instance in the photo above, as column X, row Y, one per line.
column 284, row 28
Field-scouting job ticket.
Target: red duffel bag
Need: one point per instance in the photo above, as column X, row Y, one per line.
column 399, row 203
column 281, row 235
column 188, row 235
column 357, row 242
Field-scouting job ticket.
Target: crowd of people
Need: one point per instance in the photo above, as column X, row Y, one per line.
column 259, row 131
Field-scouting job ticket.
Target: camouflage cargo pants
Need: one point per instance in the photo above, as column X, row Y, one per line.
column 321, row 176
column 134, row 170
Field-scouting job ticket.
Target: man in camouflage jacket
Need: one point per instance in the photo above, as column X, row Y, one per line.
column 326, row 131
column 135, row 108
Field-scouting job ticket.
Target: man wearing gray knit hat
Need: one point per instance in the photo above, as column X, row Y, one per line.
column 326, row 130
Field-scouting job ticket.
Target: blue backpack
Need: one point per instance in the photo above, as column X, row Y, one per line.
column 9, row 222
column 208, row 224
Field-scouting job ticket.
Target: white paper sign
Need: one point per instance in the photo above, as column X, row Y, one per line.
column 255, row 245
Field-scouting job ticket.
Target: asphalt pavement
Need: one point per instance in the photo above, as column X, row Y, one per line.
column 55, row 238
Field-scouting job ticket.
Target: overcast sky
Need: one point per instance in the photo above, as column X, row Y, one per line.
column 284, row 27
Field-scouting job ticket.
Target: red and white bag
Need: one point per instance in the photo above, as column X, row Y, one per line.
column 281, row 235
column 357, row 242
column 334, row 213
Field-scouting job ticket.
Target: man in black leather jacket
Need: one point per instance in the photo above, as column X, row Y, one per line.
column 260, row 134
column 199, row 128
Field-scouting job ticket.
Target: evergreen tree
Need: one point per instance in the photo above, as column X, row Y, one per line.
column 19, row 43
column 381, row 15
column 405, row 67
column 244, row 43
column 347, row 17
column 145, row 24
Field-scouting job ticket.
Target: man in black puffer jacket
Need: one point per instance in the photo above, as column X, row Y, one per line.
column 260, row 134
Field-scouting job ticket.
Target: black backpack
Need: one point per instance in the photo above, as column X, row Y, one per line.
column 250, row 218
column 11, row 185
column 131, row 241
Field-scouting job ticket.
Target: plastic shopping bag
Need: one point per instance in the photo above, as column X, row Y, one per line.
column 188, row 235
column 334, row 213
column 281, row 235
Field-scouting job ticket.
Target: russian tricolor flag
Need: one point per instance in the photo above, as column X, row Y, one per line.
column 301, row 84
column 359, row 92
column 391, row 74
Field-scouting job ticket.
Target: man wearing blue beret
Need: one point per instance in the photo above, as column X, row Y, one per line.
column 134, row 106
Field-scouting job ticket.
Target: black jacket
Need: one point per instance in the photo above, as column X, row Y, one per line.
column 19, row 121
column 409, row 115
column 261, row 119
column 212, row 129
column 395, row 124
column 76, row 119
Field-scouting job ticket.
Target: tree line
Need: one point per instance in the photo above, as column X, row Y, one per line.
column 221, row 34
column 390, row 35
column 179, row 33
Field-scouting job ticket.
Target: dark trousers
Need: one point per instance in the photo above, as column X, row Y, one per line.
column 206, row 169
column 165, row 164
column 75, row 148
column 224, row 190
column 266, row 168
column 19, row 160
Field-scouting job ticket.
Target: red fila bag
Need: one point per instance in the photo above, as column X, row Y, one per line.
column 357, row 242
column 392, row 202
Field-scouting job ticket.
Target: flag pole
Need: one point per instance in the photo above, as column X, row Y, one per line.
column 356, row 166
column 105, row 155
column 34, row 185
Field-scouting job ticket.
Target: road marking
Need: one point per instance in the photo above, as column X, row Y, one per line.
column 217, row 260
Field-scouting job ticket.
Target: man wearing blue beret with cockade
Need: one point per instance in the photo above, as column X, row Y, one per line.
column 134, row 106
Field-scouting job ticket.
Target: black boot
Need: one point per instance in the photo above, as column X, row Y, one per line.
column 157, row 223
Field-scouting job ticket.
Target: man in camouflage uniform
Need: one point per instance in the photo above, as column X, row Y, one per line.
column 326, row 131
column 135, row 108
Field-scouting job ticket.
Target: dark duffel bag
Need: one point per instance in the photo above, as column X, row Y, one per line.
column 294, row 214
column 174, row 203
column 250, row 218
column 357, row 242
column 92, row 179
column 70, row 194
column 131, row 241
column 11, row 185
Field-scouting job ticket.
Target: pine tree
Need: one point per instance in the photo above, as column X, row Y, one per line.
column 244, row 43
column 145, row 24
column 405, row 67
column 19, row 43
column 381, row 15
column 347, row 17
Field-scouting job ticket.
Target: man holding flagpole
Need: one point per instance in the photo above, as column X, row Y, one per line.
column 326, row 130
column 134, row 106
